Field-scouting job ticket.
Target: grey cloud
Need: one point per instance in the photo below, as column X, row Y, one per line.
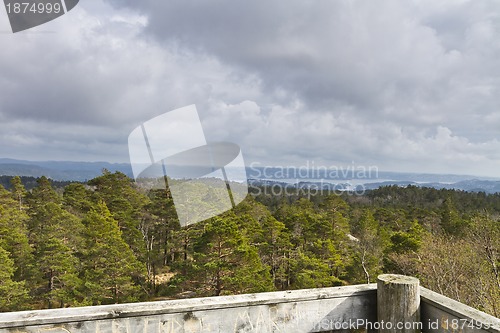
column 328, row 52
column 383, row 58
column 100, row 71
column 404, row 85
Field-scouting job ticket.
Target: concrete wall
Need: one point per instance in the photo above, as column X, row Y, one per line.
column 314, row 310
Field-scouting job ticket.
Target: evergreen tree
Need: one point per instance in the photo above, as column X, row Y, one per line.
column 126, row 204
column 406, row 241
column 368, row 249
column 13, row 295
column 18, row 191
column 275, row 250
column 43, row 193
column 77, row 199
column 311, row 271
column 269, row 236
column 55, row 235
column 337, row 211
column 317, row 235
column 451, row 222
column 159, row 226
column 225, row 263
column 111, row 271
column 13, row 235
column 58, row 266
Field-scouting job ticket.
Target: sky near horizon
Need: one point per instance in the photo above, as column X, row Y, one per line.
column 409, row 86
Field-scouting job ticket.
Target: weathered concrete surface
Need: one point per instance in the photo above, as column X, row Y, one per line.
column 442, row 314
column 299, row 311
column 314, row 310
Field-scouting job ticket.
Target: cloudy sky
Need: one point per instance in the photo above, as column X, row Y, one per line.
column 402, row 85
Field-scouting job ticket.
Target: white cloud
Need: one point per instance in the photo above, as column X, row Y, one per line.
column 408, row 86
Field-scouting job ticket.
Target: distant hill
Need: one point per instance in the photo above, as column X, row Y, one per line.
column 60, row 170
column 263, row 176
column 383, row 178
column 472, row 185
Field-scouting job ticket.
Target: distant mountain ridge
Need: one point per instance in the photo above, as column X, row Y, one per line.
column 261, row 176
column 60, row 170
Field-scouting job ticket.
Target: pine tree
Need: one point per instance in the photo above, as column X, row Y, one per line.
column 368, row 250
column 18, row 191
column 337, row 212
column 126, row 204
column 13, row 295
column 451, row 222
column 275, row 250
column 58, row 266
column 77, row 199
column 313, row 271
column 55, row 235
column 159, row 225
column 407, row 241
column 111, row 271
column 225, row 263
column 13, row 235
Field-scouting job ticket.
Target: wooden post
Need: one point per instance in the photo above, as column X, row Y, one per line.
column 398, row 304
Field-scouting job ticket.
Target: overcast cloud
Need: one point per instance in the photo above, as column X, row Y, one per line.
column 401, row 85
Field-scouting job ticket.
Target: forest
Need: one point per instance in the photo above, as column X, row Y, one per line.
column 108, row 241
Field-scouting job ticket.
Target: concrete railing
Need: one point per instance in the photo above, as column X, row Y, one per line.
column 442, row 314
column 395, row 304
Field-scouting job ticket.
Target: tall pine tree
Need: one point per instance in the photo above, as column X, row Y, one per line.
column 111, row 270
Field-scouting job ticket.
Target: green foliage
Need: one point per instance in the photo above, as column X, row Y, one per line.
column 224, row 262
column 57, row 266
column 407, row 241
column 109, row 241
column 110, row 266
column 368, row 249
column 485, row 233
column 313, row 272
column 77, row 199
column 451, row 221
column 126, row 203
column 55, row 235
column 13, row 295
column 18, row 191
column 159, row 226
column 14, row 235
column 42, row 194
column 275, row 249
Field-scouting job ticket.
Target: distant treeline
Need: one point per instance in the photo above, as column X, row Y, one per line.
column 30, row 182
column 109, row 241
